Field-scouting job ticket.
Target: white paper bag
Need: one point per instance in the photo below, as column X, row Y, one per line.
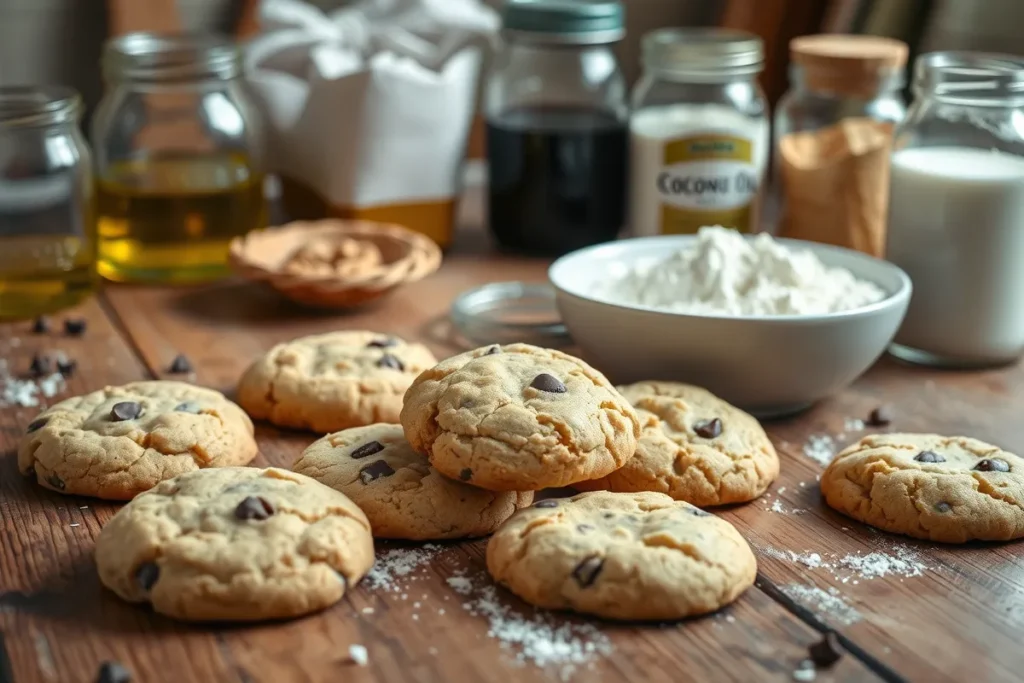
column 370, row 105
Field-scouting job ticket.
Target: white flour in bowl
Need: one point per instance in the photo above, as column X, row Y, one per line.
column 725, row 274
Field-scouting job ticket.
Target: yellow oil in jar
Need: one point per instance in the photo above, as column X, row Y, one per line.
column 170, row 220
column 44, row 273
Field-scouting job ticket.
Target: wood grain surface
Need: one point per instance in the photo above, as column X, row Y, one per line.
column 957, row 619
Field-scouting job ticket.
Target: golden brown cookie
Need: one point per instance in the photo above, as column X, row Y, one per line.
column 330, row 382
column 636, row 556
column 519, row 418
column 951, row 489
column 121, row 441
column 235, row 544
column 694, row 447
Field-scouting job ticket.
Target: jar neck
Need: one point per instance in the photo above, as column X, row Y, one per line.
column 157, row 58
column 826, row 82
column 970, row 79
column 670, row 74
column 34, row 107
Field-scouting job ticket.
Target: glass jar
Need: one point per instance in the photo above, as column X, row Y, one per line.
column 699, row 132
column 956, row 212
column 556, row 127
column 47, row 211
column 179, row 158
column 833, row 137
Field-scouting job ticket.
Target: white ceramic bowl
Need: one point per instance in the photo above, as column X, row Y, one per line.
column 770, row 366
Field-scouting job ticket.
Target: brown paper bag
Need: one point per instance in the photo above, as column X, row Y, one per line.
column 836, row 184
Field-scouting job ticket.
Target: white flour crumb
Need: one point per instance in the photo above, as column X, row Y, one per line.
column 73, row 524
column 777, row 506
column 820, row 448
column 460, row 584
column 852, row 424
column 367, row 610
column 358, row 655
column 83, row 507
column 812, row 560
column 397, row 564
column 27, row 392
column 725, row 274
column 440, row 611
column 824, row 603
column 415, row 617
column 782, row 489
column 803, row 484
column 805, row 672
column 416, row 605
column 877, row 564
column 730, row 618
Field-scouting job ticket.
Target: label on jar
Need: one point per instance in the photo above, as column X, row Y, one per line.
column 683, row 180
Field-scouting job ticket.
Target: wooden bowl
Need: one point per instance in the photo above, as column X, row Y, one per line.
column 406, row 256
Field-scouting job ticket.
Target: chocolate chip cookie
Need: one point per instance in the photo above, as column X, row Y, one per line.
column 634, row 556
column 951, row 489
column 330, row 382
column 401, row 494
column 121, row 441
column 235, row 544
column 694, row 447
column 519, row 418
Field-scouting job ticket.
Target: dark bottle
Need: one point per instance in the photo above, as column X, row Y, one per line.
column 557, row 129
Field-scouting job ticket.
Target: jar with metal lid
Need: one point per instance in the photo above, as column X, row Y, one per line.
column 699, row 132
column 179, row 158
column 47, row 216
column 833, row 135
column 556, row 126
column 956, row 210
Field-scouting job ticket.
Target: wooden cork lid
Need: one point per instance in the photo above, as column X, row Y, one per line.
column 847, row 63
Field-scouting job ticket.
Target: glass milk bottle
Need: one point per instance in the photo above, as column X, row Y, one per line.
column 956, row 213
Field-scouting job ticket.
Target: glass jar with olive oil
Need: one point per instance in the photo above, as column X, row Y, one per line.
column 47, row 217
column 178, row 156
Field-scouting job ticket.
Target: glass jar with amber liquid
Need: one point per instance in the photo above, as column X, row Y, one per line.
column 47, row 216
column 178, row 158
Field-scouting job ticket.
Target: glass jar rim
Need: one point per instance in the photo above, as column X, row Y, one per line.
column 169, row 57
column 704, row 54
column 23, row 105
column 970, row 78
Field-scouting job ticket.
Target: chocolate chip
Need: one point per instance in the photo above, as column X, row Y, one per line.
column 992, row 465
column 384, row 343
column 125, row 410
column 36, row 424
column 546, row 504
column 55, row 482
column 547, row 383
column 254, row 507
column 113, row 672
column 389, row 361
column 827, row 651
column 493, row 350
column 608, row 515
column 41, row 365
column 466, row 474
column 880, row 417
column 65, row 365
column 586, row 571
column 584, row 528
column 708, row 429
column 74, row 327
column 180, row 365
column 943, row 507
column 697, row 512
column 367, row 449
column 929, row 456
column 41, row 325
column 375, row 470
column 146, row 575
column 188, row 407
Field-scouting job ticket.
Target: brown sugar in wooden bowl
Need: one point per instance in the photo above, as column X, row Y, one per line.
column 265, row 255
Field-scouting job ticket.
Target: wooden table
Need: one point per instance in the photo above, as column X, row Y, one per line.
column 960, row 619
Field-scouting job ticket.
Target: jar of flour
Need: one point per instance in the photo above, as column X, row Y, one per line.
column 699, row 133
column 956, row 211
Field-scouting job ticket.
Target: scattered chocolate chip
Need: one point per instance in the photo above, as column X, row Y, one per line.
column 466, row 474
column 389, row 361
column 992, row 465
column 36, row 425
column 254, row 507
column 55, row 482
column 188, row 407
column 125, row 410
column 697, row 512
column 608, row 515
column 66, row 366
column 74, row 327
column 113, row 672
column 180, row 365
column 827, row 651
column 943, row 507
column 929, row 456
column 385, row 343
column 367, row 449
column 41, row 325
column 147, row 574
column 41, row 365
column 493, row 350
column 375, row 470
column 880, row 417
column 586, row 571
column 547, row 383
column 708, row 429
column 546, row 504
column 584, row 528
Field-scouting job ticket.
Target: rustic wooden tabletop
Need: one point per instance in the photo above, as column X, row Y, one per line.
column 905, row 610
